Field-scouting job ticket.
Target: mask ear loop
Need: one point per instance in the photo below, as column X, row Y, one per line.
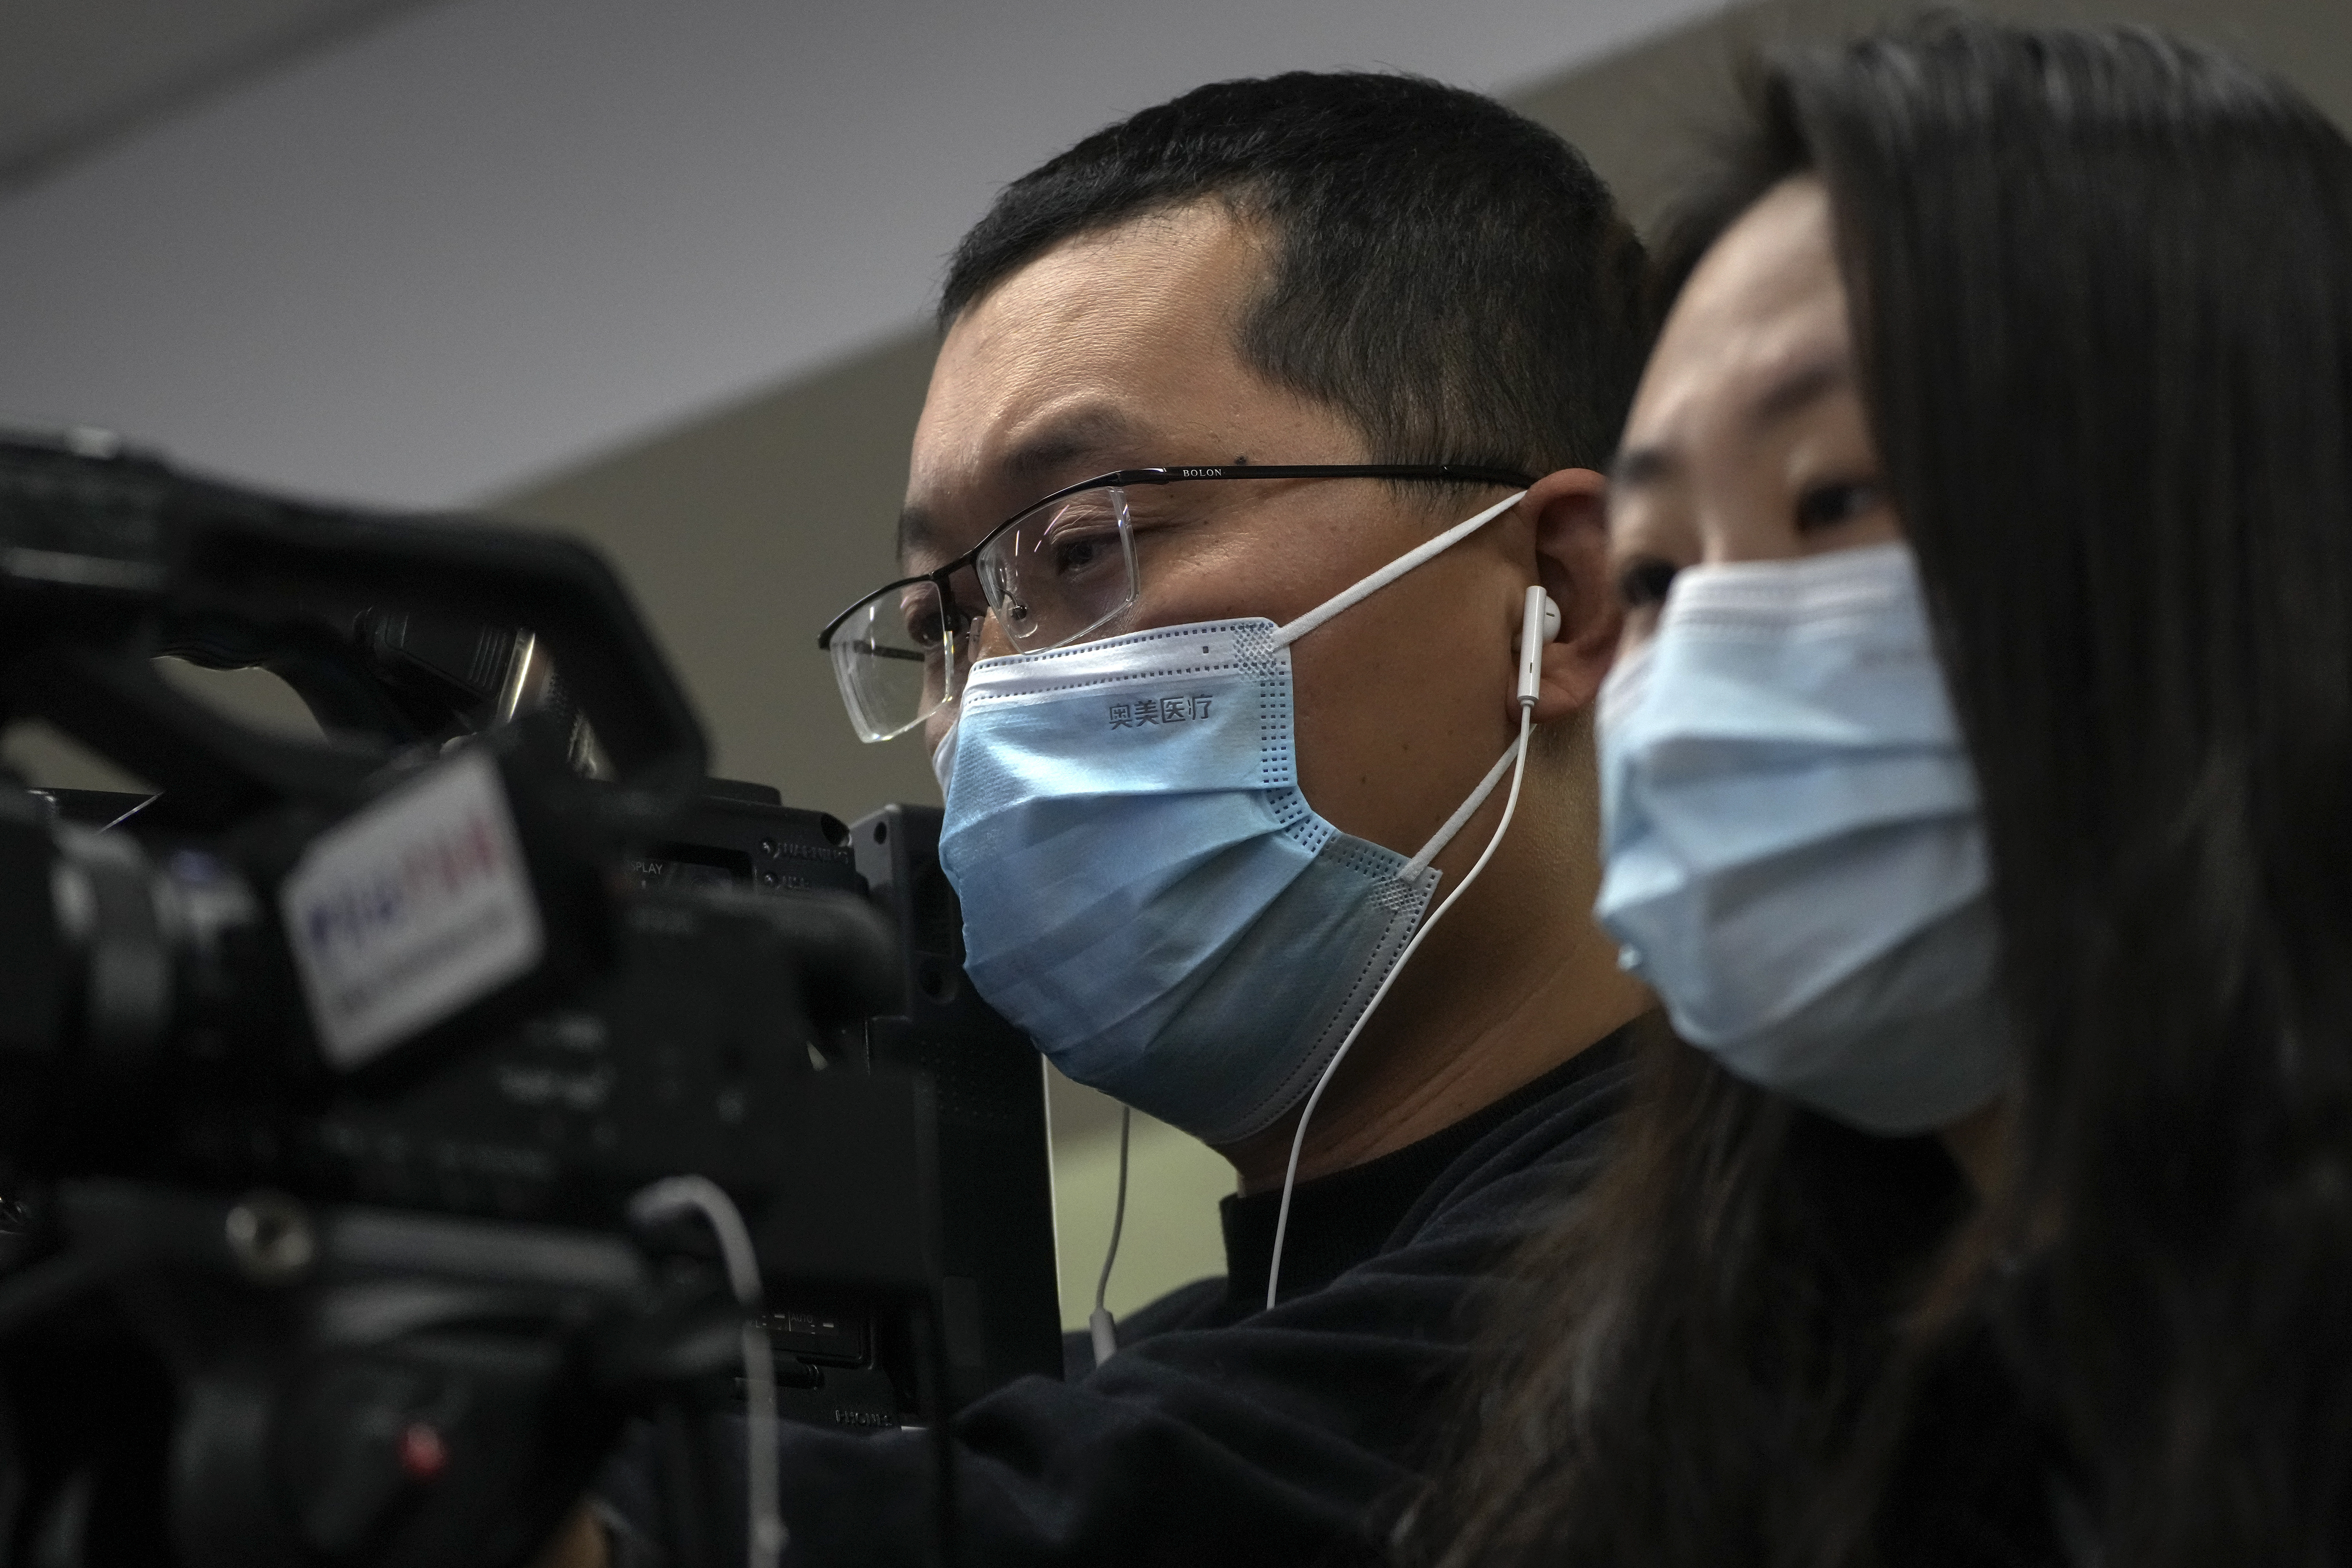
column 1531, row 639
column 1348, row 598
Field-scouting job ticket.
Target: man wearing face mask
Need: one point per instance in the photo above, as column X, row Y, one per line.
column 1255, row 568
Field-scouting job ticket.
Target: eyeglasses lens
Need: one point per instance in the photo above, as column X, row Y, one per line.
column 898, row 660
column 1061, row 571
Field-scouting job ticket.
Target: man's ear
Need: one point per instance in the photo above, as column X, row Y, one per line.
column 1570, row 508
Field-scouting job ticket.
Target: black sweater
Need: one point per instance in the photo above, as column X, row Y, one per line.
column 1223, row 1433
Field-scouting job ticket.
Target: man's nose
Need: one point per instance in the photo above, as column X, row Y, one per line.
column 987, row 638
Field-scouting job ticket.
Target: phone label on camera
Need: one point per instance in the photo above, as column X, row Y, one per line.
column 414, row 908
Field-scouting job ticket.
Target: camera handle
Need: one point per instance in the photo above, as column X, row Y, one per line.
column 368, row 1388
column 102, row 555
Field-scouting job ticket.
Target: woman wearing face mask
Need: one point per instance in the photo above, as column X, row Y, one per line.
column 1975, row 779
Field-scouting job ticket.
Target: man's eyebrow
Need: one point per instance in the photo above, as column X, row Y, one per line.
column 916, row 531
column 1095, row 431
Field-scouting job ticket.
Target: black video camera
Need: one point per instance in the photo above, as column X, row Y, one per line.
column 339, row 1082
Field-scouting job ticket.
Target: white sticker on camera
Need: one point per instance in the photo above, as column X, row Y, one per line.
column 410, row 910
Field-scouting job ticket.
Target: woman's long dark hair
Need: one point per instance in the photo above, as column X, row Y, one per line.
column 2101, row 283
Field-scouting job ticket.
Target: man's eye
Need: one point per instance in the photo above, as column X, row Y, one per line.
column 1080, row 549
column 1642, row 582
column 1826, row 506
column 918, row 618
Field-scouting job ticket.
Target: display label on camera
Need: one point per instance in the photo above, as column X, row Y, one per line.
column 410, row 910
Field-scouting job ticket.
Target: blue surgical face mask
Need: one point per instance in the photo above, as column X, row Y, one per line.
column 1146, row 892
column 1795, row 861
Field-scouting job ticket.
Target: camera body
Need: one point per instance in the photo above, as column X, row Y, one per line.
column 328, row 1072
column 999, row 1302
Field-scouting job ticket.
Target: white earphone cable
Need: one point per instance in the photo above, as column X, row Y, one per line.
column 1283, row 635
column 1530, row 674
column 1299, row 1139
column 764, row 1526
column 1100, row 1326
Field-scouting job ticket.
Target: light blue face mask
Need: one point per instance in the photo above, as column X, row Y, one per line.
column 1795, row 860
column 1146, row 892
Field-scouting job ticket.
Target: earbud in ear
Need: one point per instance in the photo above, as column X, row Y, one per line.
column 1538, row 623
column 1548, row 622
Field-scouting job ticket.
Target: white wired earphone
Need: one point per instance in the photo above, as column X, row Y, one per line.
column 1539, row 623
column 764, row 1535
column 1101, row 1326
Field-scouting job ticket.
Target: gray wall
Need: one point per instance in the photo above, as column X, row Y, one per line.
column 743, row 531
column 484, row 239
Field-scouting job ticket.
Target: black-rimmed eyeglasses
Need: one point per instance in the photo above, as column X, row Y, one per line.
column 1057, row 571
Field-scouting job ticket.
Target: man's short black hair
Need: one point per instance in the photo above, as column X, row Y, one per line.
column 1449, row 274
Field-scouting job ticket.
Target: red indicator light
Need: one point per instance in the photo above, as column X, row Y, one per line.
column 423, row 1454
